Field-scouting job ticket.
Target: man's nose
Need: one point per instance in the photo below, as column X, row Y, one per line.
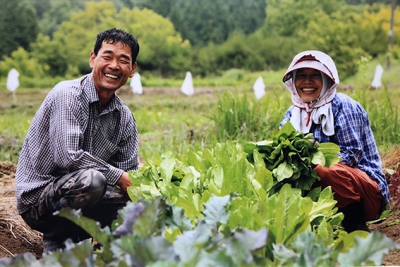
column 114, row 64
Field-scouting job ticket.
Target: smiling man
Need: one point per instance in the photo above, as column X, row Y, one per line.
column 80, row 146
column 358, row 182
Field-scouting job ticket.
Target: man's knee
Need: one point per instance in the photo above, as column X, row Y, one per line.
column 81, row 189
column 97, row 183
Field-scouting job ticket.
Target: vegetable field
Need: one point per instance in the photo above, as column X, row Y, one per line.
column 221, row 186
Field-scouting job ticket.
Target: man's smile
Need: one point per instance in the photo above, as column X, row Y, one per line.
column 111, row 76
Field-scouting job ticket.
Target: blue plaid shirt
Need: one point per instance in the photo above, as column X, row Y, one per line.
column 354, row 136
column 69, row 133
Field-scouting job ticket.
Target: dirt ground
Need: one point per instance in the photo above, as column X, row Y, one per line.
column 16, row 237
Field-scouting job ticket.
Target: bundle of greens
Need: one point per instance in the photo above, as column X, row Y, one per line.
column 291, row 157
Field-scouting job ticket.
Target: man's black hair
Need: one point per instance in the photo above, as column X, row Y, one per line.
column 114, row 35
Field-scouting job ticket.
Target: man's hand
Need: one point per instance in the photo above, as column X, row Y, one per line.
column 124, row 181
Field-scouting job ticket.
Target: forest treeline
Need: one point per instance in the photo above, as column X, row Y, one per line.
column 53, row 38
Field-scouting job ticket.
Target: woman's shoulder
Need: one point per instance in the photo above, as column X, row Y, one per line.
column 345, row 101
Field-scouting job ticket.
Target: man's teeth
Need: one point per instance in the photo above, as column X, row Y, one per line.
column 111, row 76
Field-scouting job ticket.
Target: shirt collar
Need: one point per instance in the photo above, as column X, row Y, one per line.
column 89, row 90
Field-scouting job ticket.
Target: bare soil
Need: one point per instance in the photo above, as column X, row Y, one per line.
column 15, row 236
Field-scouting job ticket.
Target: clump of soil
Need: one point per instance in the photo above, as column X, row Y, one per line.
column 15, row 236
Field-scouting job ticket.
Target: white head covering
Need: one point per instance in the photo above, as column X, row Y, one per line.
column 320, row 110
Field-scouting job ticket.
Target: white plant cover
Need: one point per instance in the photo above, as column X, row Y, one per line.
column 259, row 88
column 136, row 84
column 12, row 80
column 376, row 83
column 187, row 86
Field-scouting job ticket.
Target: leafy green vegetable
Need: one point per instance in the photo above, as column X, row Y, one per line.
column 208, row 245
column 291, row 156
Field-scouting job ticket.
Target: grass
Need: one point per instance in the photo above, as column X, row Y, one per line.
column 227, row 110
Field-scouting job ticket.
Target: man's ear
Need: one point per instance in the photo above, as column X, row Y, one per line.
column 133, row 70
column 91, row 59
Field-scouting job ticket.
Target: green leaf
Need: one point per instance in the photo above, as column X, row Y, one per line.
column 102, row 235
column 258, row 160
column 216, row 212
column 307, row 252
column 179, row 220
column 151, row 220
column 189, row 245
column 243, row 243
column 330, row 151
column 368, row 251
column 75, row 254
column 162, row 250
column 287, row 129
column 318, row 159
column 288, row 214
column 283, row 171
column 167, row 166
column 249, row 147
column 264, row 145
column 264, row 180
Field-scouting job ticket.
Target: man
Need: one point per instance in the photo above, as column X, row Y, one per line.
column 358, row 182
column 80, row 146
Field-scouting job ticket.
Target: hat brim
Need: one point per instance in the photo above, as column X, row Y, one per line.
column 310, row 64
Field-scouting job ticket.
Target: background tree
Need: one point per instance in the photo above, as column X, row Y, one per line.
column 41, row 7
column 18, row 26
column 224, row 34
column 288, row 17
column 162, row 48
column 370, row 2
column 23, row 62
column 338, row 39
column 58, row 12
column 52, row 56
column 372, row 30
column 206, row 21
column 52, row 13
column 162, row 7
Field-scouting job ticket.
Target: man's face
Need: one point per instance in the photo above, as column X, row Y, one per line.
column 112, row 66
column 308, row 84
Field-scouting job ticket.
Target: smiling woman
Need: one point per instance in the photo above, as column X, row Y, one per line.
column 308, row 83
column 360, row 187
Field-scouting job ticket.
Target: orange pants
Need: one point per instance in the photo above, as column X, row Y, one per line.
column 352, row 185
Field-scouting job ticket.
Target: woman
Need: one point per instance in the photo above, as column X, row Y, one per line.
column 358, row 182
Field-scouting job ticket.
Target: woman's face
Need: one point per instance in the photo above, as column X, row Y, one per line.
column 308, row 84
